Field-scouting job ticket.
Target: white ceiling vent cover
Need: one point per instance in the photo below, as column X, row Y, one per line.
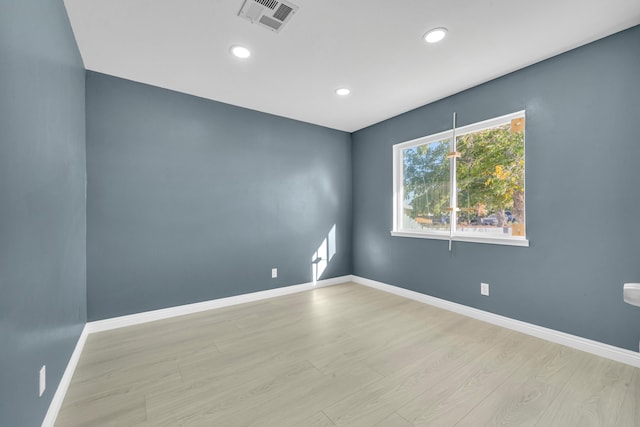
column 271, row 14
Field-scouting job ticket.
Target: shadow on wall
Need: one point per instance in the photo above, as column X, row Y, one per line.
column 323, row 256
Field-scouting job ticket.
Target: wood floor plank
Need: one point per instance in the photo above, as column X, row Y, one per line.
column 345, row 355
column 394, row 420
column 289, row 329
column 593, row 395
column 121, row 409
column 143, row 345
column 447, row 402
column 629, row 414
column 386, row 349
column 531, row 389
column 332, row 388
column 140, row 379
column 288, row 405
column 411, row 348
column 378, row 400
column 317, row 420
column 222, row 397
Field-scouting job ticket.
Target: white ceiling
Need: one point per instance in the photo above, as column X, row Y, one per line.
column 374, row 47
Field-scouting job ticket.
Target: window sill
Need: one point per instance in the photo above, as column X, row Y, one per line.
column 508, row 241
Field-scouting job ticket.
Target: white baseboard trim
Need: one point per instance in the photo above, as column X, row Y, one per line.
column 165, row 313
column 65, row 381
column 594, row 347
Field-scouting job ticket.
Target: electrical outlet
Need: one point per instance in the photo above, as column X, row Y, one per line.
column 274, row 273
column 43, row 379
column 484, row 289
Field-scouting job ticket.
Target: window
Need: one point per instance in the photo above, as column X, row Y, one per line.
column 464, row 184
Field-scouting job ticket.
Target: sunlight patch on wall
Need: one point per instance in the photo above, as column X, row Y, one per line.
column 324, row 254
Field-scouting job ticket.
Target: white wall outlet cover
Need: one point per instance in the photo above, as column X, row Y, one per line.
column 484, row 289
column 43, row 380
column 631, row 293
column 274, row 273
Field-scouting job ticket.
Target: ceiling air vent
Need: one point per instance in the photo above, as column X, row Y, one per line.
column 271, row 14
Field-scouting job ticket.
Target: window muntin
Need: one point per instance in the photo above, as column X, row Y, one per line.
column 479, row 183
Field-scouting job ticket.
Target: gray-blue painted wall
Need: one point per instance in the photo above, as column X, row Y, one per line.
column 42, row 204
column 191, row 200
column 582, row 197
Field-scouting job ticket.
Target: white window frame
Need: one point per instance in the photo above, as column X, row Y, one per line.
column 452, row 235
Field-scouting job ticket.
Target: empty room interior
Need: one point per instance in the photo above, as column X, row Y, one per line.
column 335, row 213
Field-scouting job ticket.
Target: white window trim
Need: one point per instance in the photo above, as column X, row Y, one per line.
column 398, row 191
column 494, row 240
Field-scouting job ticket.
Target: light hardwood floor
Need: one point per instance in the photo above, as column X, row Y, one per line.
column 343, row 355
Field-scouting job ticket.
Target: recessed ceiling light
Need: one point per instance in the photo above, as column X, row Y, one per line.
column 435, row 35
column 240, row 52
column 343, row 91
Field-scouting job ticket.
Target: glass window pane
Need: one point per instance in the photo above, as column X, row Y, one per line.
column 490, row 182
column 426, row 187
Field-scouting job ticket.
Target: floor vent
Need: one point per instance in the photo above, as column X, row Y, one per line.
column 271, row 14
